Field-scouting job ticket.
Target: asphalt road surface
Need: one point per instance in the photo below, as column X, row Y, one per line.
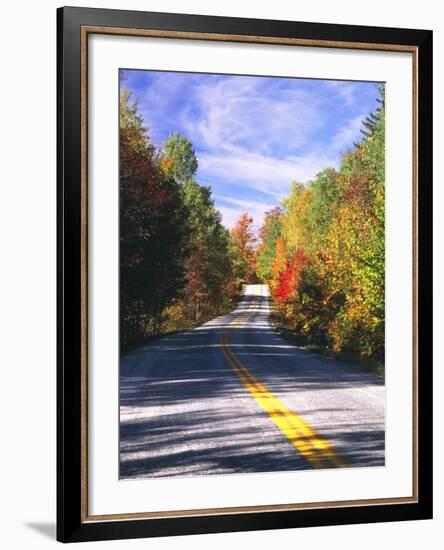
column 233, row 397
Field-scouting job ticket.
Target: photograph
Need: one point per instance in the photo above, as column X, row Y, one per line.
column 251, row 274
column 244, row 273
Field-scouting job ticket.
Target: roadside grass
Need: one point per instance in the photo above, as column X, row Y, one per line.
column 353, row 359
column 169, row 328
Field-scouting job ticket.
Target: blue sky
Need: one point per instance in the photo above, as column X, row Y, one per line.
column 253, row 135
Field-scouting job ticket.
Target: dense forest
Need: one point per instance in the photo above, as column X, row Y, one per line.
column 321, row 251
column 179, row 266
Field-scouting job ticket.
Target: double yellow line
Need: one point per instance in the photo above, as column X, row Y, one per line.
column 314, row 448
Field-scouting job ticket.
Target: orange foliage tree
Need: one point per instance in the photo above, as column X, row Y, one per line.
column 244, row 241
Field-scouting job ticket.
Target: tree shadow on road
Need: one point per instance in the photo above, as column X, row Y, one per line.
column 184, row 411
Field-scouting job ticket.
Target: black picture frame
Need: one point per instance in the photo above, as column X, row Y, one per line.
column 72, row 523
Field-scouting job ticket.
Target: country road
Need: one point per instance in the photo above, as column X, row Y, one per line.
column 232, row 396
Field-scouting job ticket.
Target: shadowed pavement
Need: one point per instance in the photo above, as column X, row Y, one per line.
column 184, row 411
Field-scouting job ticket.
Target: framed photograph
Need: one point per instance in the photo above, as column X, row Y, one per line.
column 244, row 274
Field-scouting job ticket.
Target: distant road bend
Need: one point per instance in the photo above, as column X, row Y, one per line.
column 232, row 396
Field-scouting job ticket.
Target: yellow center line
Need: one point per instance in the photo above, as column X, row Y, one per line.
column 313, row 447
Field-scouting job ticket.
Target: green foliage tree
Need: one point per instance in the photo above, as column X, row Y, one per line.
column 268, row 235
column 325, row 199
column 180, row 158
column 209, row 265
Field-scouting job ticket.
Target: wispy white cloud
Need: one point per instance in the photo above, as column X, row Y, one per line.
column 158, row 99
column 346, row 136
column 229, row 215
column 346, row 92
column 237, row 207
column 266, row 174
column 254, row 135
column 243, row 203
column 252, row 114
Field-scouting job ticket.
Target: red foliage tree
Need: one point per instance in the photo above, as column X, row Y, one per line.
column 290, row 277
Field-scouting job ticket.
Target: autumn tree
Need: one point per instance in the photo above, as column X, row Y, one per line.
column 356, row 246
column 179, row 158
column 244, row 241
column 208, row 286
column 324, row 254
column 152, row 229
column 208, row 267
column 268, row 235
